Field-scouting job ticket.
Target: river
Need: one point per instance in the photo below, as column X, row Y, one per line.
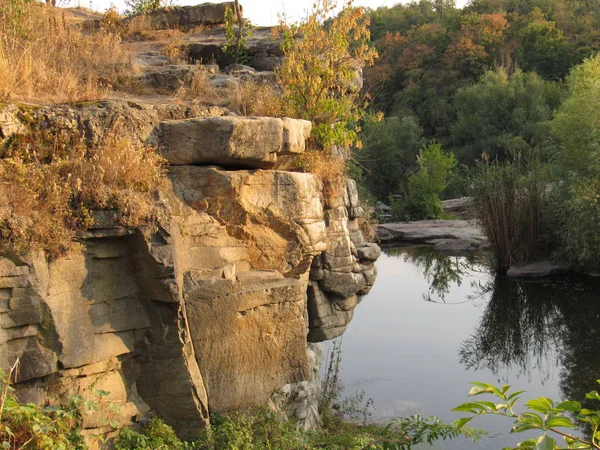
column 433, row 323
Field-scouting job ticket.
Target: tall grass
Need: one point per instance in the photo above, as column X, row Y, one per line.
column 509, row 207
column 43, row 58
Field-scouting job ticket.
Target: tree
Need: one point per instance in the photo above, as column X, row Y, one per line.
column 422, row 201
column 502, row 114
column 389, row 154
column 321, row 72
column 576, row 166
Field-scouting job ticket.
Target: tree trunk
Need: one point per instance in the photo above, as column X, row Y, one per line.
column 240, row 30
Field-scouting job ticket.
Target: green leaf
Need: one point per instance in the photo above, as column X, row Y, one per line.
column 593, row 395
column 475, row 390
column 545, row 443
column 569, row 405
column 462, row 422
column 541, row 404
column 471, row 407
column 529, row 443
column 561, row 422
column 514, row 394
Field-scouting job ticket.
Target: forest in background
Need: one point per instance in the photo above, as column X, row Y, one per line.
column 499, row 96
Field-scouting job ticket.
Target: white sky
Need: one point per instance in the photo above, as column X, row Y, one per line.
column 260, row 12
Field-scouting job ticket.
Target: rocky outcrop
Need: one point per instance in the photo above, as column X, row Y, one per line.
column 188, row 17
column 343, row 272
column 212, row 308
column 445, row 235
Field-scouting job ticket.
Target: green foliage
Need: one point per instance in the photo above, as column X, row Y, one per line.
column 136, row 7
column 235, row 48
column 319, row 74
column 389, row 153
column 156, row 435
column 544, row 415
column 422, row 200
column 48, row 427
column 499, row 115
column 575, row 212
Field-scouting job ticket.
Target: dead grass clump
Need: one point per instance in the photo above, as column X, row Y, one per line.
column 42, row 58
column 250, row 98
column 49, row 187
column 174, row 51
column 331, row 169
column 200, row 90
column 141, row 28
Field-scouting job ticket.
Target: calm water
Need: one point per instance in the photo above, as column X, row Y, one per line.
column 433, row 323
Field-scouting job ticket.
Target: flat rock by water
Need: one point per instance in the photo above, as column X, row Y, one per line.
column 539, row 269
column 448, row 235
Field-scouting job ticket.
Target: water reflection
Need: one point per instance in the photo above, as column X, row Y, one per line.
column 441, row 270
column 525, row 327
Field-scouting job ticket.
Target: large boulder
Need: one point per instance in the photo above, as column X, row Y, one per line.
column 188, row 17
column 251, row 142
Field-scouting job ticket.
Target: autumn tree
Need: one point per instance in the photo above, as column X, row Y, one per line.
column 321, row 73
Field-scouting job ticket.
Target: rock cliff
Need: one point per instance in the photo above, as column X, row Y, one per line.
column 212, row 308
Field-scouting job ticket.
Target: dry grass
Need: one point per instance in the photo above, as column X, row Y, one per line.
column 48, row 188
column 200, row 90
column 174, row 51
column 250, row 98
column 331, row 169
column 140, row 28
column 42, row 58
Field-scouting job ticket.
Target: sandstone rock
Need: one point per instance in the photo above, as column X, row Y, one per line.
column 326, row 319
column 300, row 401
column 9, row 122
column 233, row 141
column 368, row 252
column 188, row 17
column 342, row 284
column 461, row 207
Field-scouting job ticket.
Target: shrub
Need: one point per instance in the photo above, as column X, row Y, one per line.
column 156, row 435
column 321, row 70
column 575, row 211
column 544, row 416
column 235, row 48
column 42, row 58
column 509, row 204
column 48, row 188
column 422, row 200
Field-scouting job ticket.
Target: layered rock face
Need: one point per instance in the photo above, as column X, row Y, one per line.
column 213, row 308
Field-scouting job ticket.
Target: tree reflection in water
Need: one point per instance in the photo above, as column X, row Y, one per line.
column 525, row 326
column 519, row 328
column 441, row 270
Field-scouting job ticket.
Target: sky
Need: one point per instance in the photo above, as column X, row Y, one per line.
column 260, row 12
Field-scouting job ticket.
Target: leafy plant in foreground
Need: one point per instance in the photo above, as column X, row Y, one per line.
column 543, row 414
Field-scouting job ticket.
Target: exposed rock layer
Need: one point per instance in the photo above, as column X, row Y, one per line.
column 209, row 311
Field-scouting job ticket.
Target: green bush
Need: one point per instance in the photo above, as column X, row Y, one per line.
column 157, row 435
column 575, row 212
column 422, row 201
